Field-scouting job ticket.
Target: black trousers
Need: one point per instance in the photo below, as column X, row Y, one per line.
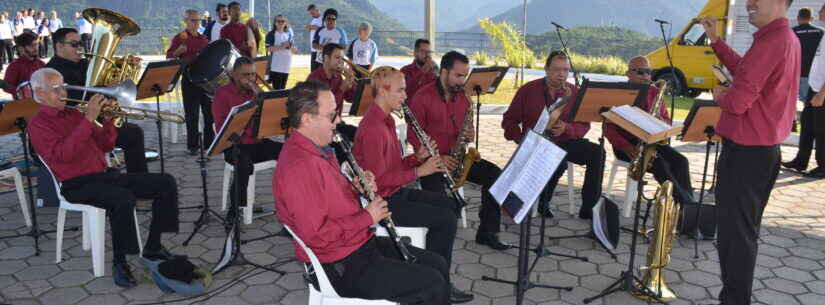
column 43, row 49
column 375, row 272
column 812, row 133
column 312, row 63
column 6, row 53
column 249, row 155
column 278, row 80
column 435, row 211
column 116, row 193
column 195, row 100
column 130, row 139
column 581, row 152
column 670, row 165
column 483, row 173
column 746, row 177
column 86, row 39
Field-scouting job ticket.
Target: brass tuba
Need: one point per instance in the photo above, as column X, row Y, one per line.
column 108, row 30
column 661, row 245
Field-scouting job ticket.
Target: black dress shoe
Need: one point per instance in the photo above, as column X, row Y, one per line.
column 458, row 296
column 491, row 240
column 818, row 173
column 546, row 212
column 794, row 165
column 160, row 254
column 122, row 274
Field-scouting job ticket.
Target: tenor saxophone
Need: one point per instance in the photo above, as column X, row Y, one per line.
column 461, row 154
column 661, row 245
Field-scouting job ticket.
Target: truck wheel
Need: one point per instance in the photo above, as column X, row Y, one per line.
column 673, row 86
column 693, row 93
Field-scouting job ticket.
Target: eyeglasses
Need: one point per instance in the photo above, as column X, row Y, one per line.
column 280, row 21
column 642, row 71
column 73, row 43
column 195, row 20
column 331, row 19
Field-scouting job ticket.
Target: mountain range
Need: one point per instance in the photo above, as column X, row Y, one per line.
column 451, row 15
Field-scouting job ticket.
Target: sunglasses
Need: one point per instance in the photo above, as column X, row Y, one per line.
column 331, row 19
column 195, row 20
column 73, row 43
column 280, row 21
column 642, row 71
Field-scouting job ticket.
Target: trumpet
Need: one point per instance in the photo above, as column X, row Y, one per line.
column 124, row 95
column 354, row 67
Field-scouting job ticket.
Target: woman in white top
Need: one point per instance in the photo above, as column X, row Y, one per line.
column 279, row 44
column 44, row 35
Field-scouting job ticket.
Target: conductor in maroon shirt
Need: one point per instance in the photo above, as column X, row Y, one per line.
column 242, row 88
column 322, row 208
column 21, row 69
column 422, row 70
column 523, row 113
column 668, row 164
column 186, row 45
column 73, row 147
column 757, row 111
column 236, row 32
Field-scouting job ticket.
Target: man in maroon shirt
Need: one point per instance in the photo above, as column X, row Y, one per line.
column 73, row 148
column 26, row 63
column 422, row 70
column 331, row 74
column 523, row 113
column 668, row 164
column 757, row 111
column 238, row 33
column 377, row 150
column 322, row 208
column 186, row 45
column 242, row 88
column 441, row 108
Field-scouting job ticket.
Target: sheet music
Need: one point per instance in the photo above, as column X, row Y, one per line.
column 528, row 172
column 599, row 220
column 541, row 124
column 639, row 119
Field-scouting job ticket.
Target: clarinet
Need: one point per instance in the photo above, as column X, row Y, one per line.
column 387, row 223
column 424, row 139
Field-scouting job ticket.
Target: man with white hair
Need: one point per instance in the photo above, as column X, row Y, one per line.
column 73, row 146
column 363, row 51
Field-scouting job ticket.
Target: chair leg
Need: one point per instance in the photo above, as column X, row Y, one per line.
column 463, row 210
column 227, row 172
column 97, row 230
column 571, row 173
column 137, row 229
column 61, row 223
column 250, row 200
column 21, row 196
column 86, row 230
column 630, row 195
column 611, row 177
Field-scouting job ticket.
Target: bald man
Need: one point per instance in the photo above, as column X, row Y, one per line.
column 669, row 164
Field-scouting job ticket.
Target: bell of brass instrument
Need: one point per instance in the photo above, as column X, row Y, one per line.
column 356, row 68
column 661, row 245
column 124, row 95
column 461, row 154
column 108, row 30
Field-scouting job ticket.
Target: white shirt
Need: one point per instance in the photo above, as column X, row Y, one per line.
column 315, row 22
column 324, row 35
column 216, row 30
column 281, row 59
column 6, row 30
column 364, row 52
column 55, row 24
column 83, row 26
column 816, row 78
column 28, row 23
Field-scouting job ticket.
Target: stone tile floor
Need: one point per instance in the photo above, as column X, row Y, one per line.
column 791, row 265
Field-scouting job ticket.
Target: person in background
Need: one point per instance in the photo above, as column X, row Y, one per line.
column 6, row 40
column 330, row 33
column 422, row 70
column 206, row 19
column 28, row 20
column 280, row 44
column 314, row 25
column 809, row 37
column 213, row 28
column 21, row 69
column 18, row 23
column 238, row 33
column 84, row 27
column 363, row 51
column 54, row 22
column 45, row 37
column 255, row 27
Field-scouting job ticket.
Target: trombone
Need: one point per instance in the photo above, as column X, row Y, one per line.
column 124, row 95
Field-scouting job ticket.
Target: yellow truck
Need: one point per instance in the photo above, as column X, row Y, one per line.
column 691, row 51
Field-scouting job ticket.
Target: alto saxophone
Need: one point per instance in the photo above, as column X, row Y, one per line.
column 425, row 141
column 661, row 245
column 461, row 154
column 387, row 223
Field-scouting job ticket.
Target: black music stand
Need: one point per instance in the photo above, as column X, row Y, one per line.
column 13, row 119
column 364, row 97
column 230, row 136
column 520, row 209
column 159, row 78
column 483, row 81
column 700, row 126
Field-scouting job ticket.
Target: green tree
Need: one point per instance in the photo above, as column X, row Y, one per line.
column 513, row 47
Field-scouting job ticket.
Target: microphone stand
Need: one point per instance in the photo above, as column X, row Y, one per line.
column 672, row 69
column 567, row 52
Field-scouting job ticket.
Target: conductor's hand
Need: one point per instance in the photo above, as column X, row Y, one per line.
column 378, row 210
column 709, row 23
column 94, row 106
column 431, row 166
column 719, row 91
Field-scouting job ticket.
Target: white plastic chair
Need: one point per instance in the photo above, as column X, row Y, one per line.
column 327, row 295
column 94, row 228
column 14, row 173
column 250, row 188
column 630, row 189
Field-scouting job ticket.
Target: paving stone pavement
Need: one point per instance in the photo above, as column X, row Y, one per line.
column 791, row 264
